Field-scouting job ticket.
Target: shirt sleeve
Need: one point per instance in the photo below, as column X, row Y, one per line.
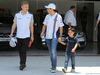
column 32, row 18
column 15, row 19
column 60, row 22
column 76, row 41
column 45, row 21
column 99, row 17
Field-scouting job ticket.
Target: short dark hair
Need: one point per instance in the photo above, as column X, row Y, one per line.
column 24, row 2
column 72, row 7
column 72, row 29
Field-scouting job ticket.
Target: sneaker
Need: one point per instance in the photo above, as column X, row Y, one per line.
column 64, row 70
column 52, row 71
column 73, row 70
column 22, row 66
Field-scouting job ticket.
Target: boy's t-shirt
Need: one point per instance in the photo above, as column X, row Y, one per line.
column 70, row 43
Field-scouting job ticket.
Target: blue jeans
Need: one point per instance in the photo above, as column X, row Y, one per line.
column 69, row 55
column 52, row 44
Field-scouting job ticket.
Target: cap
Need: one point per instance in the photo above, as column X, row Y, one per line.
column 13, row 42
column 51, row 5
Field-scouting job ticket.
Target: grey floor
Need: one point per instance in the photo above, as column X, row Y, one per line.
column 40, row 65
column 38, row 62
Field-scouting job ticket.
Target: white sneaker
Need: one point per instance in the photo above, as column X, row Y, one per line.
column 64, row 70
column 52, row 71
column 73, row 70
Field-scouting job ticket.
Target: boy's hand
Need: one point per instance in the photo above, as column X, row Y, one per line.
column 59, row 39
column 73, row 50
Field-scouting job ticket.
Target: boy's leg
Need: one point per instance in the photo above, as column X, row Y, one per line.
column 73, row 60
column 67, row 56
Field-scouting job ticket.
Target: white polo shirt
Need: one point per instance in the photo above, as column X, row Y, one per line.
column 23, row 24
column 70, row 18
column 49, row 21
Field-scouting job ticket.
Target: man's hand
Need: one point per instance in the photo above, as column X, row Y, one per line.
column 11, row 35
column 32, row 39
column 73, row 50
column 42, row 33
column 95, row 29
column 12, row 29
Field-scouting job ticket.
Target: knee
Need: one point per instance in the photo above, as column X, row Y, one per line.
column 53, row 52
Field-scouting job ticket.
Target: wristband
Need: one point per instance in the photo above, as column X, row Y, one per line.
column 60, row 36
column 32, row 36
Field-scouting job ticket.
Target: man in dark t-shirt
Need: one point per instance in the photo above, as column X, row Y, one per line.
column 83, row 18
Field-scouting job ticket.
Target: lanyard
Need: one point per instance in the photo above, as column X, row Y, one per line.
column 54, row 25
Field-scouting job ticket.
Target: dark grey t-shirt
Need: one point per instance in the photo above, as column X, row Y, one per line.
column 70, row 43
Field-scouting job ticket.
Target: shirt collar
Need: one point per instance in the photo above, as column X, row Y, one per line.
column 71, row 11
column 53, row 15
column 24, row 14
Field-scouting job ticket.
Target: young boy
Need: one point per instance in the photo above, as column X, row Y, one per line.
column 71, row 45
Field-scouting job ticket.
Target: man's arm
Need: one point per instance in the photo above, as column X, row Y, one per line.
column 32, row 31
column 61, row 32
column 96, row 25
column 69, row 24
column 12, row 29
column 43, row 30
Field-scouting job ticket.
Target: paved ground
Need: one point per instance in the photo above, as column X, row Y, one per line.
column 40, row 65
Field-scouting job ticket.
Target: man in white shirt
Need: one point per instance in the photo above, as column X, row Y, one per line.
column 98, row 36
column 52, row 24
column 69, row 19
column 24, row 23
